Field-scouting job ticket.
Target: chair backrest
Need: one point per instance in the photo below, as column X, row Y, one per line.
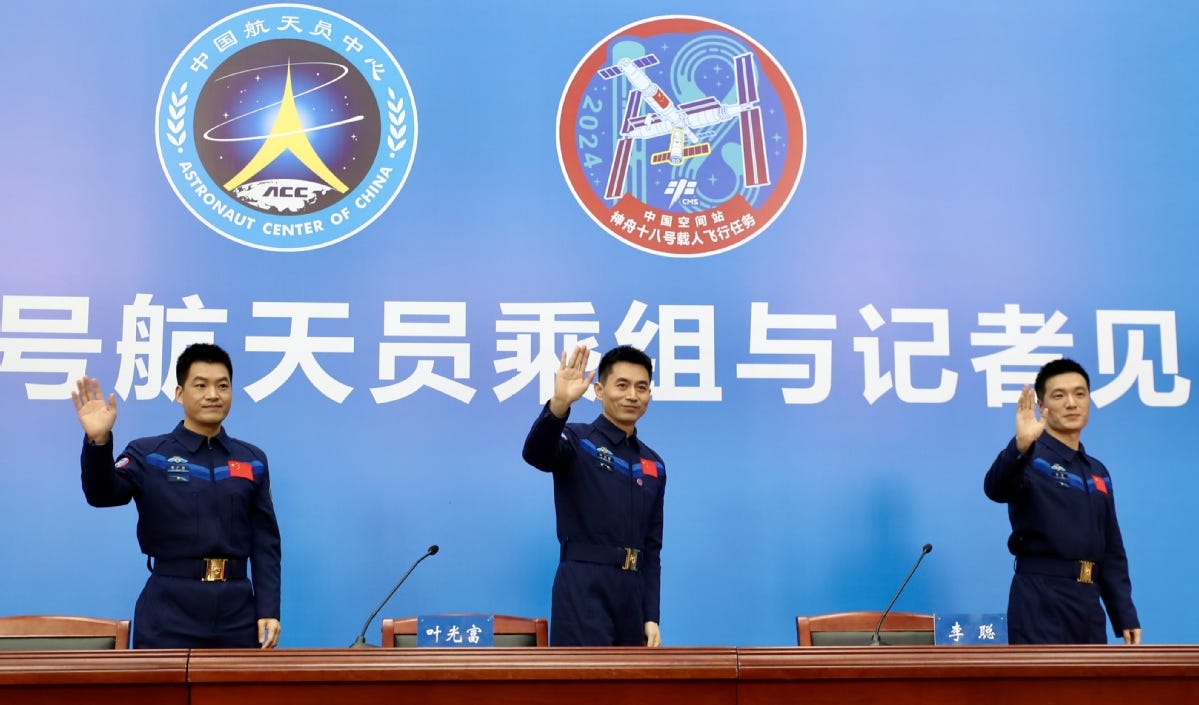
column 55, row 633
column 857, row 628
column 509, row 631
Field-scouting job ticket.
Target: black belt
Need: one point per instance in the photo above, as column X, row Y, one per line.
column 209, row 570
column 621, row 557
column 1079, row 571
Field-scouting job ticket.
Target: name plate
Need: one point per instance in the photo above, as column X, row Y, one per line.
column 970, row 629
column 455, row 630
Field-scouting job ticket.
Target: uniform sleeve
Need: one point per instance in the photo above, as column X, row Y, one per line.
column 1005, row 479
column 545, row 449
column 653, row 556
column 266, row 550
column 105, row 483
column 1115, row 586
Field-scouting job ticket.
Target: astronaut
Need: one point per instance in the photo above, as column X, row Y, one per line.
column 206, row 521
column 608, row 496
column 1065, row 537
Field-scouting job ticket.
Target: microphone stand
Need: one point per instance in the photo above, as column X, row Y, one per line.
column 360, row 642
column 876, row 637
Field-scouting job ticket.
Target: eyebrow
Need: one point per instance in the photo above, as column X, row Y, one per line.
column 626, row 379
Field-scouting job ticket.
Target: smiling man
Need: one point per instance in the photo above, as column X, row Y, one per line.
column 1065, row 537
column 608, row 496
column 205, row 514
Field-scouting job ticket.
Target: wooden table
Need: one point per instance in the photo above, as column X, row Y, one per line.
column 694, row 676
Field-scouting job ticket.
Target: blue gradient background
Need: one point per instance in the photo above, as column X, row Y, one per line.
column 960, row 156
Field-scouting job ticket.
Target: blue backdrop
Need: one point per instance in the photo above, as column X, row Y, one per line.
column 960, row 191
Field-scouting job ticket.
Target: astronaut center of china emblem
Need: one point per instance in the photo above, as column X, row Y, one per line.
column 286, row 127
column 681, row 136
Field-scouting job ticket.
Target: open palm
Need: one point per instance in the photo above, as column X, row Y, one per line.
column 1028, row 427
column 97, row 415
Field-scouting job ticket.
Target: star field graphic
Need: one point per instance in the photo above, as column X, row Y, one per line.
column 287, row 117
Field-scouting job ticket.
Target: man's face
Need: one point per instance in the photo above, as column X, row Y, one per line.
column 1066, row 404
column 206, row 397
column 624, row 394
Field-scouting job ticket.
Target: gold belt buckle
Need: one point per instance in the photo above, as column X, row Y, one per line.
column 214, row 570
column 1086, row 571
column 630, row 559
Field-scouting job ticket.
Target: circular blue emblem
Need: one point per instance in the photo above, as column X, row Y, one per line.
column 286, row 127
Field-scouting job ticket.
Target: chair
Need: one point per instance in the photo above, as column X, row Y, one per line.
column 856, row 629
column 509, row 631
column 54, row 633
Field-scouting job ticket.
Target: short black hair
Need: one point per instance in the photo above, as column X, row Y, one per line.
column 201, row 352
column 623, row 353
column 1053, row 368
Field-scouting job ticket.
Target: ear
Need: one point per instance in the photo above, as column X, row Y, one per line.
column 179, row 394
column 599, row 388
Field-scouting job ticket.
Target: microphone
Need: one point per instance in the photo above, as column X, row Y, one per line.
column 876, row 639
column 360, row 642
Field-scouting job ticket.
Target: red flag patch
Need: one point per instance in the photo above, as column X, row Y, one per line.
column 243, row 470
column 649, row 468
column 1099, row 484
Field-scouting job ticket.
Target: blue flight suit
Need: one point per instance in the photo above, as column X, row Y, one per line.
column 608, row 495
column 196, row 498
column 1063, row 512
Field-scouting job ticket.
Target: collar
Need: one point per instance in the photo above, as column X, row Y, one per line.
column 193, row 441
column 1060, row 449
column 611, row 432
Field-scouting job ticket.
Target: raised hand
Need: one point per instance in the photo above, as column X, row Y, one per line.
column 572, row 380
column 96, row 415
column 1028, row 427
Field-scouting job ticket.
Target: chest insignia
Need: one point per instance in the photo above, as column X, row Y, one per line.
column 1059, row 473
column 177, row 469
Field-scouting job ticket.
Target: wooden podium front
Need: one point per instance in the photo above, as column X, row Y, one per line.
column 541, row 676
column 93, row 677
column 530, row 676
column 996, row 675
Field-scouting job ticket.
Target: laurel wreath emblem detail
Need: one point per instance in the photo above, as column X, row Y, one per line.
column 398, row 129
column 177, row 135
